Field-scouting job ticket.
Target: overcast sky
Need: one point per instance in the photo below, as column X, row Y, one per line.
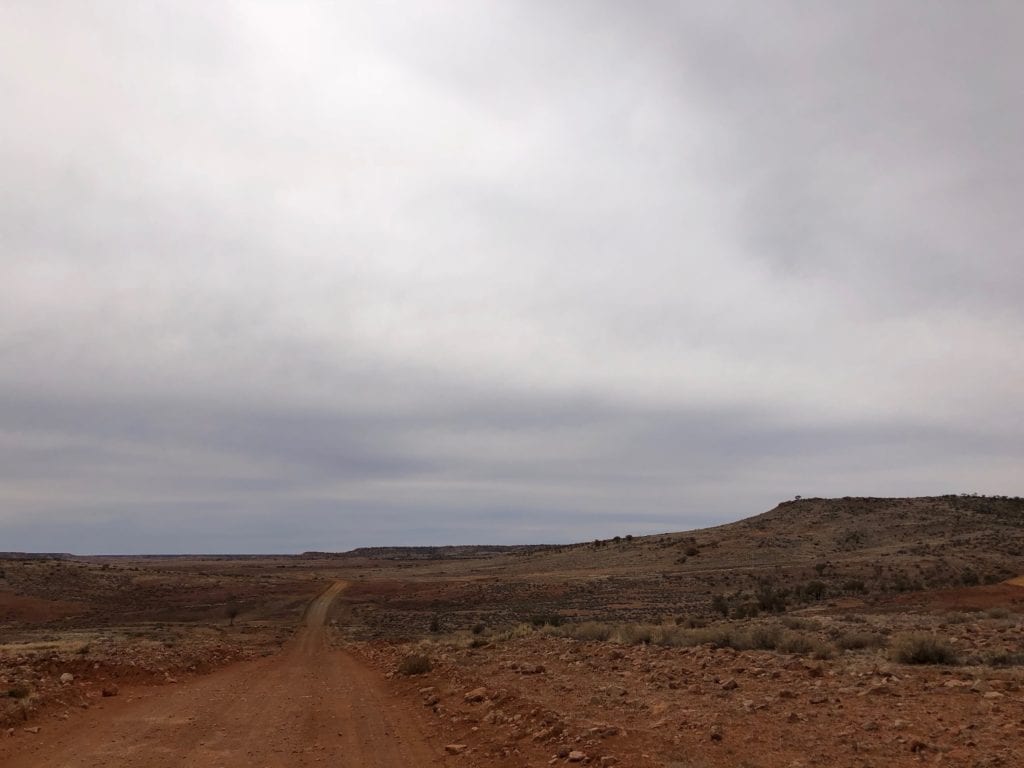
column 284, row 276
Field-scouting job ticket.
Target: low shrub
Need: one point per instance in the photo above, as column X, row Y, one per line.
column 802, row 645
column 1004, row 659
column 922, row 648
column 592, row 630
column 795, row 622
column 635, row 634
column 855, row 641
column 414, row 664
column 764, row 637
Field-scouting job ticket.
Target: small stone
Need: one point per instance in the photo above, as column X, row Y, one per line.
column 67, row 678
column 477, row 694
column 576, row 756
column 715, row 733
column 455, row 749
column 109, row 690
column 730, row 684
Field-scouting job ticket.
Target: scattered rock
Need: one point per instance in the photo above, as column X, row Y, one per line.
column 455, row 749
column 67, row 678
column 477, row 694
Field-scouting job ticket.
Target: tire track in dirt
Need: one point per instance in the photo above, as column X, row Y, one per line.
column 307, row 706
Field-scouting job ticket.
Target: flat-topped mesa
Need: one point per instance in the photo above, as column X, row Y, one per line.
column 449, row 552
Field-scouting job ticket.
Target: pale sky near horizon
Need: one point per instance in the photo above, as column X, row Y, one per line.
column 288, row 276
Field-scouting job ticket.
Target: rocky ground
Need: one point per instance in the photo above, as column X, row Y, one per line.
column 71, row 629
column 46, row 674
column 539, row 699
column 851, row 632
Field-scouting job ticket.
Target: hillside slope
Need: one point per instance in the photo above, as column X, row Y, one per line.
column 885, row 544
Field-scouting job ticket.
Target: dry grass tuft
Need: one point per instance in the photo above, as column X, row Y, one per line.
column 414, row 664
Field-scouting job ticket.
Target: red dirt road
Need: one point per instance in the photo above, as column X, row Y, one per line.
column 307, row 706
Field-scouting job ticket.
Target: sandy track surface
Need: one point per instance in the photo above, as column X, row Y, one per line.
column 307, row 706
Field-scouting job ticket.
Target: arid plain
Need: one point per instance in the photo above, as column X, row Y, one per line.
column 845, row 632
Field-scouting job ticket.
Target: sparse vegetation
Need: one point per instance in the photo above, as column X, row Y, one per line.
column 720, row 604
column 855, row 641
column 922, row 648
column 1004, row 659
column 414, row 664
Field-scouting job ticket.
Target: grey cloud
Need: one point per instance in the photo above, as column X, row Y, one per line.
column 277, row 276
column 497, row 469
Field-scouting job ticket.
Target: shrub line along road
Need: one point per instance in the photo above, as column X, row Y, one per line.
column 306, row 706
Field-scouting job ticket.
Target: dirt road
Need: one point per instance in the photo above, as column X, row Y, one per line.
column 307, row 706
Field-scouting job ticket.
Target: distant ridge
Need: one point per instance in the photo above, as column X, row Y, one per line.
column 449, row 552
column 36, row 556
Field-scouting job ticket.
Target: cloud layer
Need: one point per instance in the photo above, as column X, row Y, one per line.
column 279, row 277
